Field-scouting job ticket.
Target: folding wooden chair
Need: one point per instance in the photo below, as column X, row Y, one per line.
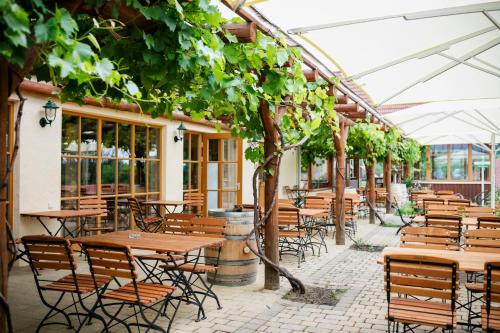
column 285, row 203
column 292, row 235
column 317, row 227
column 490, row 312
column 45, row 255
column 445, row 192
column 91, row 225
column 146, row 224
column 426, row 290
column 488, row 222
column 453, row 223
column 443, row 210
column 431, row 201
column 478, row 211
column 459, row 202
column 116, row 261
column 203, row 227
column 197, row 203
column 428, row 238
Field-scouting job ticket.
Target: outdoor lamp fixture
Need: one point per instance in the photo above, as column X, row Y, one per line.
column 254, row 143
column 50, row 113
column 180, row 132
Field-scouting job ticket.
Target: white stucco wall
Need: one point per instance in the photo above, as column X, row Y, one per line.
column 288, row 171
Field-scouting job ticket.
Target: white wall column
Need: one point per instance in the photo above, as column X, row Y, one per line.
column 493, row 171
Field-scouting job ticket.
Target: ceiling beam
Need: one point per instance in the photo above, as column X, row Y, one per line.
column 445, row 68
column 475, row 8
column 479, row 68
column 484, row 62
column 423, row 54
column 492, row 19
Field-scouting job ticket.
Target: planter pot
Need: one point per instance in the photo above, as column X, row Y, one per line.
column 237, row 263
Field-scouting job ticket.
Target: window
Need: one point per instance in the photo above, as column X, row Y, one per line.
column 459, row 161
column 192, row 162
column 320, row 173
column 480, row 163
column 439, row 161
column 109, row 160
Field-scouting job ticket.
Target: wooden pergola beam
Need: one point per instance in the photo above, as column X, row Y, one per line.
column 347, row 108
column 311, row 75
column 342, row 99
column 244, row 32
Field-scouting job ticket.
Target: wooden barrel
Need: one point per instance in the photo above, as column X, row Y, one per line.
column 237, row 263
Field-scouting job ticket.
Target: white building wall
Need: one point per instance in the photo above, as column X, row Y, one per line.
column 288, row 171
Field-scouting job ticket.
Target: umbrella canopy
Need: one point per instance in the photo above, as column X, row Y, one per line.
column 399, row 51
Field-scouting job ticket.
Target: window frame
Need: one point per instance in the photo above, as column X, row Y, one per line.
column 132, row 160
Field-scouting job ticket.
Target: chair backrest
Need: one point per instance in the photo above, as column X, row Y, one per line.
column 288, row 217
column 432, row 201
column 421, row 276
column 136, row 209
column 208, row 226
column 442, row 209
column 479, row 211
column 197, row 201
column 110, row 259
column 318, row 203
column 488, row 222
column 491, row 288
column 177, row 223
column 459, row 202
column 326, row 195
column 348, row 207
column 428, row 238
column 48, row 252
column 482, row 240
column 449, row 222
column 448, row 196
column 94, row 204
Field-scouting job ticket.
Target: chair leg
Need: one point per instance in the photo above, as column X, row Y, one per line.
column 53, row 308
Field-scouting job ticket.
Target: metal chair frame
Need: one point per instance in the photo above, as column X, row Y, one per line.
column 59, row 247
column 140, row 219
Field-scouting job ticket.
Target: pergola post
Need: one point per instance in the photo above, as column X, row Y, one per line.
column 387, row 181
column 493, row 171
column 271, row 144
column 370, row 182
column 339, row 141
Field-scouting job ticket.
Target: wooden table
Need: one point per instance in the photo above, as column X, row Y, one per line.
column 467, row 260
column 62, row 217
column 165, row 243
column 166, row 204
column 155, row 241
column 299, row 195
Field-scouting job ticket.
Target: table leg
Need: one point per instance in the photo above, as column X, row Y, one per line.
column 45, row 227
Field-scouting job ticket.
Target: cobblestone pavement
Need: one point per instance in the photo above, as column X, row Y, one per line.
column 252, row 309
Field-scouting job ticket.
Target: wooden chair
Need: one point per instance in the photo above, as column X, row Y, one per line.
column 478, row 211
column 106, row 223
column 489, row 222
column 482, row 240
column 490, row 312
column 319, row 203
column 459, row 202
column 349, row 216
column 431, row 201
column 292, row 235
column 422, row 291
column 203, row 227
column 448, row 222
column 443, row 210
column 428, row 238
column 177, row 223
column 47, row 254
column 146, row 224
column 197, row 203
column 113, row 260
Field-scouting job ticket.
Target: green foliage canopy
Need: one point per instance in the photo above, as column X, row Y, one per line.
column 366, row 141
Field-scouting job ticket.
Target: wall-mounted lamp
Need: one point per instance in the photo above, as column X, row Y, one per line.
column 254, row 143
column 180, row 132
column 50, row 113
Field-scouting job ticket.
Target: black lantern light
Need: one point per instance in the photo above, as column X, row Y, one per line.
column 180, row 132
column 50, row 113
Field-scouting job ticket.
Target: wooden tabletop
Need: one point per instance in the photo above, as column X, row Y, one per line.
column 468, row 221
column 66, row 213
column 467, row 260
column 310, row 212
column 155, row 241
column 168, row 202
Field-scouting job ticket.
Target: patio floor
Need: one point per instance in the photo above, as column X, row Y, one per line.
column 248, row 309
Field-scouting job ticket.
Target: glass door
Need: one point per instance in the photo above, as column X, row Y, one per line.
column 222, row 170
